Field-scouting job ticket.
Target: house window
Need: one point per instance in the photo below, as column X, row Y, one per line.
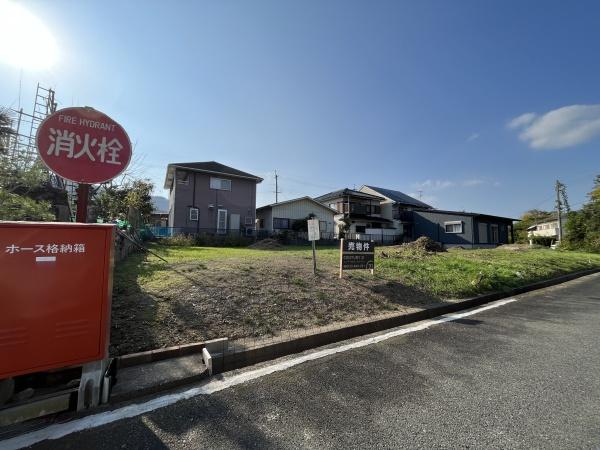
column 281, row 224
column 361, row 228
column 249, row 220
column 453, row 227
column 376, row 209
column 261, row 223
column 194, row 214
column 494, row 233
column 221, row 221
column 220, row 183
column 322, row 226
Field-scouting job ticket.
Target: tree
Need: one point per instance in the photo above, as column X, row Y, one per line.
column 582, row 229
column 24, row 190
column 131, row 200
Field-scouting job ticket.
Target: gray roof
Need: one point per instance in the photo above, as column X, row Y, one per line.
column 466, row 213
column 208, row 167
column 344, row 192
column 399, row 197
column 295, row 200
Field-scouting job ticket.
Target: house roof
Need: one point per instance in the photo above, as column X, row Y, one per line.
column 399, row 197
column 465, row 213
column 344, row 192
column 207, row 167
column 295, row 200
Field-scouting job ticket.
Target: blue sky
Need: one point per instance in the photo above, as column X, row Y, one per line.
column 480, row 105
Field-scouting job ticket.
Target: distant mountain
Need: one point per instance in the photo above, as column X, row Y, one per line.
column 160, row 203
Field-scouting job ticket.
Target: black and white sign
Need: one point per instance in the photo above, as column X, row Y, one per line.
column 357, row 254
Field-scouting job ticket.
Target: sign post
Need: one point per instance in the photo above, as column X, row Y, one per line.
column 357, row 254
column 84, row 146
column 314, row 234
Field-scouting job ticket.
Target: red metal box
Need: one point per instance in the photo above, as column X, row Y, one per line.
column 55, row 295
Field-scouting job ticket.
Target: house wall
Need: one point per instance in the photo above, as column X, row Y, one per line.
column 301, row 209
column 432, row 226
column 387, row 205
column 483, row 231
column 172, row 206
column 197, row 193
column 266, row 216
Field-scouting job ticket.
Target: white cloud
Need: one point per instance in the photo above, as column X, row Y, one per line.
column 521, row 121
column 472, row 182
column 560, row 128
column 434, row 185
column 473, row 137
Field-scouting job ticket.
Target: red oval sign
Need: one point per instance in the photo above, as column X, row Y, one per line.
column 83, row 145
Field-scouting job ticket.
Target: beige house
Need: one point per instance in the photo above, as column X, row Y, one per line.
column 281, row 216
column 548, row 229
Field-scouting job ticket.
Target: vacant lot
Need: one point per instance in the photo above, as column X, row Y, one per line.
column 204, row 293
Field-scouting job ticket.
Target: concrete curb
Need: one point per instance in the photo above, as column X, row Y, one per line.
column 244, row 358
column 223, row 361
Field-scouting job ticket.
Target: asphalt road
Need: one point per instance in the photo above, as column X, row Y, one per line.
column 523, row 375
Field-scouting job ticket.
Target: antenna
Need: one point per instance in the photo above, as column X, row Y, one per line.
column 420, row 191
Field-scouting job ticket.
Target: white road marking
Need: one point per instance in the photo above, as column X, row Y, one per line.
column 60, row 430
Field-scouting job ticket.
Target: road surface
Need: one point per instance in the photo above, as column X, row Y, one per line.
column 522, row 375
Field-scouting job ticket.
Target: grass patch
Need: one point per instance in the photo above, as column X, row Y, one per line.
column 209, row 292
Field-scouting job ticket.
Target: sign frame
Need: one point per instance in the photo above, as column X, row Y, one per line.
column 370, row 253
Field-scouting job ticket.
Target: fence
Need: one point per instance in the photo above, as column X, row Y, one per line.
column 248, row 235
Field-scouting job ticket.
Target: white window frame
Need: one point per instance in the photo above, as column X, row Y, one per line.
column 221, row 184
column 219, row 229
column 453, row 223
column 197, row 214
column 249, row 220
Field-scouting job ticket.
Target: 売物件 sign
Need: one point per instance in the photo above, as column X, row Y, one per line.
column 356, row 254
column 313, row 230
column 83, row 145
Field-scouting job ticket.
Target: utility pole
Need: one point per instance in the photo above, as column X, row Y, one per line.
column 559, row 209
column 276, row 188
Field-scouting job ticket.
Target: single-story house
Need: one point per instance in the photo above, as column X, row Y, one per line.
column 462, row 229
column 281, row 216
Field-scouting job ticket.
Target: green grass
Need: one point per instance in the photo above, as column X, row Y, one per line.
column 464, row 273
column 453, row 274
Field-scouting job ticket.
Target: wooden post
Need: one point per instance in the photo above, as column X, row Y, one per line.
column 373, row 247
column 314, row 258
column 341, row 252
column 83, row 194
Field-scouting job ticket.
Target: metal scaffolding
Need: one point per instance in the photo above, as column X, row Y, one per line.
column 21, row 144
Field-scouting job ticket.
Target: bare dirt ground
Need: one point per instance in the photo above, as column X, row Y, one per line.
column 242, row 297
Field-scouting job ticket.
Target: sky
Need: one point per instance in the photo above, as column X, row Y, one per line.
column 470, row 105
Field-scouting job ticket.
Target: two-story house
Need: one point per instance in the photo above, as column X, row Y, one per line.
column 210, row 197
column 360, row 210
column 396, row 206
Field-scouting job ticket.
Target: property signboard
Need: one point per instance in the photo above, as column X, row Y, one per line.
column 83, row 145
column 313, row 230
column 356, row 254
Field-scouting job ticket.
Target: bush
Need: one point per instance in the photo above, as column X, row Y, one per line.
column 179, row 240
